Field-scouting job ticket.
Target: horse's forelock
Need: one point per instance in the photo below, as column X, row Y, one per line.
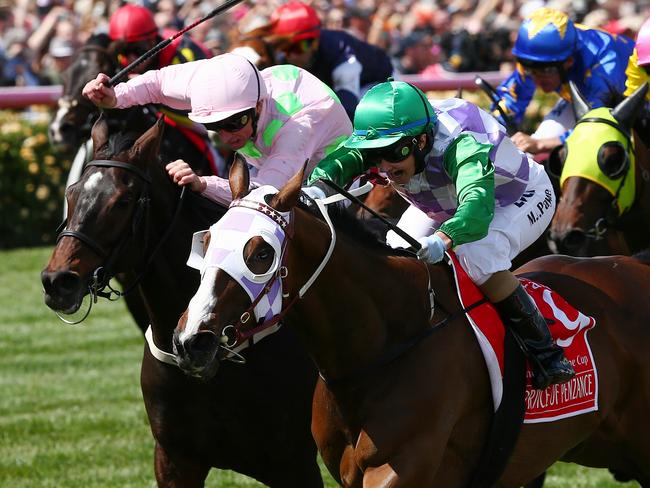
column 118, row 142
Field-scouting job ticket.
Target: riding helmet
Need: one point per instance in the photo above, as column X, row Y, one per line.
column 132, row 23
column 296, row 19
column 547, row 36
column 388, row 112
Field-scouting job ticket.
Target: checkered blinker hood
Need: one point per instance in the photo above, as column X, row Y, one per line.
column 229, row 237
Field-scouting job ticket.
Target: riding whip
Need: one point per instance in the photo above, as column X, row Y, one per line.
column 163, row 44
column 489, row 90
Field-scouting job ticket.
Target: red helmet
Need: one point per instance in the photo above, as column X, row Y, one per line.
column 296, row 18
column 132, row 23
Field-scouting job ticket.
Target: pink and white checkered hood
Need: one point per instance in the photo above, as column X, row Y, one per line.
column 229, row 236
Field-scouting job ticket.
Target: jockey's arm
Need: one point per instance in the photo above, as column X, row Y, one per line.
column 340, row 166
column 168, row 86
column 516, row 93
column 468, row 164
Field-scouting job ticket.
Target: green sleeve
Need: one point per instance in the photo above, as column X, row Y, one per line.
column 468, row 164
column 340, row 166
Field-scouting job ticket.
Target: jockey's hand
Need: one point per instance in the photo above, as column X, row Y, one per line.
column 526, row 143
column 181, row 173
column 433, row 248
column 98, row 92
column 531, row 145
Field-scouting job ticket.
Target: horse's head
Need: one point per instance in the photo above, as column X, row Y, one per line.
column 596, row 167
column 106, row 209
column 74, row 115
column 241, row 263
column 257, row 46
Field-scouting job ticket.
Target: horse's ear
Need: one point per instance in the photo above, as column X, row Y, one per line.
column 627, row 111
column 580, row 104
column 287, row 197
column 147, row 147
column 99, row 133
column 239, row 178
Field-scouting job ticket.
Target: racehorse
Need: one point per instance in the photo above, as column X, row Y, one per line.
column 73, row 121
column 392, row 410
column 126, row 214
column 605, row 175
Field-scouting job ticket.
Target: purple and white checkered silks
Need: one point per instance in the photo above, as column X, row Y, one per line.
column 229, row 236
column 433, row 191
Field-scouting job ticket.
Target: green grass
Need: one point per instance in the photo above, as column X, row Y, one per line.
column 71, row 411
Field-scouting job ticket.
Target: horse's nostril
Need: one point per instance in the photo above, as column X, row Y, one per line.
column 202, row 342
column 63, row 282
column 574, row 240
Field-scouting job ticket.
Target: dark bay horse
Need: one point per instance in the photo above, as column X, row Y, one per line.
column 126, row 215
column 604, row 207
column 73, row 121
column 392, row 411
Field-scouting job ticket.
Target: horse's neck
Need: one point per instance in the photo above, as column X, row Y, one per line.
column 362, row 305
column 168, row 283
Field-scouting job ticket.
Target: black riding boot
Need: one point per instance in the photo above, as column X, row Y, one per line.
column 519, row 312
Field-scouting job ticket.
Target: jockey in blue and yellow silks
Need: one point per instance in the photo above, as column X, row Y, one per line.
column 551, row 51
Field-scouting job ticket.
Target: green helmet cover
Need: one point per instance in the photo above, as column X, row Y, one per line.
column 388, row 112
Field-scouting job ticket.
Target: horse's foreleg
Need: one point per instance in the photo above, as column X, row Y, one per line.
column 178, row 473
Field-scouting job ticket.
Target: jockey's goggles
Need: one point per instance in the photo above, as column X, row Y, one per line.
column 233, row 123
column 539, row 69
column 395, row 153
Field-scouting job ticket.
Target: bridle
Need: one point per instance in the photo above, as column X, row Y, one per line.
column 99, row 285
column 612, row 216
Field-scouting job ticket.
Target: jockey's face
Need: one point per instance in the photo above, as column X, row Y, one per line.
column 236, row 130
column 134, row 50
column 399, row 173
column 548, row 77
column 301, row 53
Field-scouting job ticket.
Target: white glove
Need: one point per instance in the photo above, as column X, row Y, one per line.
column 432, row 250
column 313, row 192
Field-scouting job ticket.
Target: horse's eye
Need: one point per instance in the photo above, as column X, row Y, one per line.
column 263, row 254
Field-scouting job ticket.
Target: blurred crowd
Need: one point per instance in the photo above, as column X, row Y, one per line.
column 38, row 38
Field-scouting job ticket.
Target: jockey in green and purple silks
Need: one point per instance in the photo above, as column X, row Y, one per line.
column 470, row 189
column 551, row 51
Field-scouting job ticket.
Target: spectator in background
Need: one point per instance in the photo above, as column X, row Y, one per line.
column 18, row 68
column 59, row 58
column 415, row 53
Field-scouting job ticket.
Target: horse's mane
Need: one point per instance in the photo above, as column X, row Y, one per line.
column 356, row 229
